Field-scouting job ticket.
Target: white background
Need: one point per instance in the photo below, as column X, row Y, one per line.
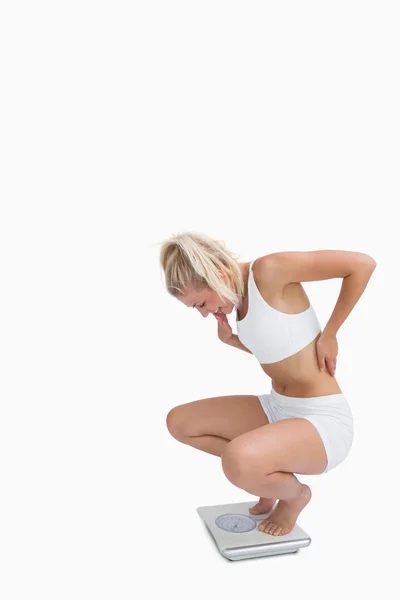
column 271, row 125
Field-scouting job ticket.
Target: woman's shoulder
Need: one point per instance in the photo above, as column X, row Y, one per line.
column 265, row 274
column 266, row 268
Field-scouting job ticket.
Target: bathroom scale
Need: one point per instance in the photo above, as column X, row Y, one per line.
column 235, row 532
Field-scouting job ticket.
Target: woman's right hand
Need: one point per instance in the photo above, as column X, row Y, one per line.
column 224, row 329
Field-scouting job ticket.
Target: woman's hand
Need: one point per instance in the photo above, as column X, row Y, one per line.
column 224, row 329
column 327, row 350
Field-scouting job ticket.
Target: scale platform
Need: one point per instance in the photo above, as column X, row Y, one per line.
column 235, row 532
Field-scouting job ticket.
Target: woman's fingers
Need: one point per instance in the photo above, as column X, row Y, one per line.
column 221, row 318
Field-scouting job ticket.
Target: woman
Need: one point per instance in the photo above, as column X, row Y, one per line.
column 304, row 425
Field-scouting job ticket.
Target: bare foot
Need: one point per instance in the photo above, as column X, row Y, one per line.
column 262, row 506
column 283, row 518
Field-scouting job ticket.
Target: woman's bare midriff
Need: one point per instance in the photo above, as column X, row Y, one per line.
column 298, row 375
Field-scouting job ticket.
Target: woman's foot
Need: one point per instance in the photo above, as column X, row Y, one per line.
column 283, row 518
column 262, row 506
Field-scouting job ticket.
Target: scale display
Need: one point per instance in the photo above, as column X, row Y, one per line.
column 235, row 523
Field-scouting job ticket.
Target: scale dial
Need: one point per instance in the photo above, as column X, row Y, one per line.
column 235, row 523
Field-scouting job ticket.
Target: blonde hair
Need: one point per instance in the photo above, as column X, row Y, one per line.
column 195, row 258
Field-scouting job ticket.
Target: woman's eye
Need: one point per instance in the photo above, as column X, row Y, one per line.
column 201, row 305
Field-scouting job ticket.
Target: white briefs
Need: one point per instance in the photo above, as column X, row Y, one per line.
column 331, row 415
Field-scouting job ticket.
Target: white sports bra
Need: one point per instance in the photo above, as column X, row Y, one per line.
column 272, row 335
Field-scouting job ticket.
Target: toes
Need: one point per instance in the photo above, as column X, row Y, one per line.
column 260, row 508
column 271, row 530
column 263, row 525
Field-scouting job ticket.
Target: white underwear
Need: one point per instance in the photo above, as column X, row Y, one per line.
column 331, row 415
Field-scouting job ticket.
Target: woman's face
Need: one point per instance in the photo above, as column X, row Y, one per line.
column 206, row 301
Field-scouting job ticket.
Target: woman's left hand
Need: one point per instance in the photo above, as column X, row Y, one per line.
column 327, row 350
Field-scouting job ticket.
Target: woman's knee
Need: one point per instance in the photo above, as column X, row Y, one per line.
column 176, row 422
column 239, row 460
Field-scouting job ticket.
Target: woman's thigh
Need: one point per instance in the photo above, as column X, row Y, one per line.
column 290, row 445
column 224, row 416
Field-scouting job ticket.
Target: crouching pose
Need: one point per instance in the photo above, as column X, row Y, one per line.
column 304, row 424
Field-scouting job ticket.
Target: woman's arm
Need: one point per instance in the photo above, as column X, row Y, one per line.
column 352, row 288
column 355, row 268
column 236, row 343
